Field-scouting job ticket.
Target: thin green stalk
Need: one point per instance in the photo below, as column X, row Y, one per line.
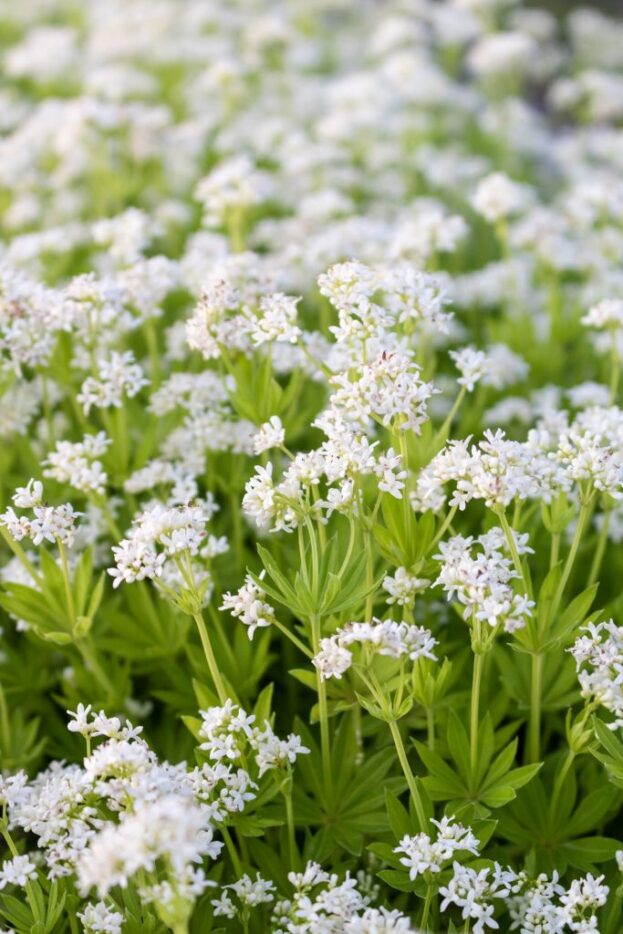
column 4, row 720
column 69, row 596
column 512, row 545
column 554, row 551
column 369, row 576
column 349, row 549
column 560, row 779
column 208, row 651
column 474, row 717
column 151, row 339
column 426, row 910
column 585, row 511
column 237, row 530
column 231, row 849
column 293, row 639
column 602, row 540
column 323, row 712
column 534, row 723
column 430, row 728
column 293, row 851
column 445, row 525
column 408, row 774
column 443, row 431
column 314, row 553
column 615, row 371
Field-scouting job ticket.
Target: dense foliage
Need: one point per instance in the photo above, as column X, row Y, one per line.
column 311, row 330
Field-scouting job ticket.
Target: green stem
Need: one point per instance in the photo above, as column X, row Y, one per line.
column 602, row 540
column 441, row 435
column 475, row 711
column 231, row 849
column 293, row 639
column 447, row 522
column 293, row 852
column 615, row 371
column 369, row 576
column 6, row 723
column 512, row 546
column 408, row 774
column 426, row 910
column 534, row 724
column 349, row 549
column 430, row 728
column 585, row 511
column 210, row 658
column 560, row 779
column 323, row 713
column 554, row 550
column 69, row 596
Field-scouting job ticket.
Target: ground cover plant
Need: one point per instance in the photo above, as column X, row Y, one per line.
column 311, row 519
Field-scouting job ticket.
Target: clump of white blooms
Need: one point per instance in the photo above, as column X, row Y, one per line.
column 248, row 893
column 52, row 524
column 270, row 435
column 78, row 465
column 476, row 893
column 161, row 534
column 421, row 854
column 116, row 376
column 248, row 606
column 231, row 734
column 100, row 918
column 319, row 902
column 497, row 197
column 402, row 587
column 598, row 657
column 379, row 637
column 479, row 574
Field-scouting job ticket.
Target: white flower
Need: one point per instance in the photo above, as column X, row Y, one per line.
column 77, row 464
column 100, row 918
column 472, row 364
column 276, row 320
column 274, row 753
column 117, row 375
column 475, row 893
column 402, row 587
column 605, row 314
column 422, row 854
column 17, row 871
column 482, row 580
column 384, row 637
column 247, row 606
column 599, row 662
column 270, row 435
column 497, row 197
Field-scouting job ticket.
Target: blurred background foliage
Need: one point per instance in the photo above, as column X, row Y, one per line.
column 561, row 7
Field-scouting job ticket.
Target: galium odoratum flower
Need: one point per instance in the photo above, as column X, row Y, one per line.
column 598, row 657
column 422, row 854
column 479, row 574
column 47, row 523
column 379, row 637
column 229, row 733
